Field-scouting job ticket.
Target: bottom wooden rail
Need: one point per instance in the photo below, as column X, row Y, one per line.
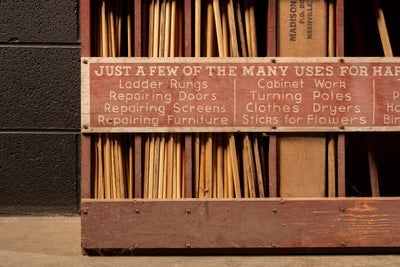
column 241, row 223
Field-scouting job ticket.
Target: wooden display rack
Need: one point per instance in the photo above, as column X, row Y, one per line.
column 264, row 224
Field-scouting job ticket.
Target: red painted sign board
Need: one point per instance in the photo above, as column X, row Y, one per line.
column 236, row 94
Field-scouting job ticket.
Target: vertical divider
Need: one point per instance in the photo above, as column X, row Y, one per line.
column 341, row 144
column 138, row 137
column 271, row 52
column 188, row 136
column 86, row 163
column 86, row 158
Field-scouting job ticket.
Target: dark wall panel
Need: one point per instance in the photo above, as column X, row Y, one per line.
column 38, row 173
column 39, row 21
column 39, row 88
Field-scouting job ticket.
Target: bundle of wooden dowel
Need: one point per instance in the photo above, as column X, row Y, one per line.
column 113, row 153
column 225, row 165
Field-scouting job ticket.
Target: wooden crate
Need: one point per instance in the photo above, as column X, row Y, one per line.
column 267, row 225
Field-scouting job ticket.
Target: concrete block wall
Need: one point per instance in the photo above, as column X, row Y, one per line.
column 40, row 107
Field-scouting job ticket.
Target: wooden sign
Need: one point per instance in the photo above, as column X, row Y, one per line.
column 240, row 94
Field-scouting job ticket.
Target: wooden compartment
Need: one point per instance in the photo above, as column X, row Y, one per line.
column 268, row 225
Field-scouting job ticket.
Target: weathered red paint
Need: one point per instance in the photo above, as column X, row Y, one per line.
column 242, row 223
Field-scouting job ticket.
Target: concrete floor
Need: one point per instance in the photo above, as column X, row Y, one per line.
column 55, row 241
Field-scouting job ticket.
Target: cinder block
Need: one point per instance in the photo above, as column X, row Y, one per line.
column 38, row 173
column 39, row 88
column 39, row 21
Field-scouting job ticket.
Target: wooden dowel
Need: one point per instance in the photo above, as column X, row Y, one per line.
column 156, row 33
column 210, row 29
column 246, row 171
column 165, row 175
column 225, row 151
column 202, row 179
column 252, row 173
column 248, row 26
column 214, row 166
column 161, row 46
column 100, row 178
column 104, row 40
column 331, row 29
column 173, row 29
column 161, row 178
column 253, row 30
column 383, row 32
column 118, row 161
column 170, row 166
column 232, row 29
column 218, row 27
column 129, row 28
column 151, row 28
column 235, row 168
column 231, row 190
column 156, row 164
column 107, row 168
column 167, row 28
column 225, row 28
column 242, row 36
column 209, row 163
column 257, row 160
column 197, row 28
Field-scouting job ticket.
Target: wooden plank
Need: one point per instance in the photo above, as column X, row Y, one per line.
column 188, row 166
column 271, row 29
column 301, row 163
column 86, row 166
column 303, row 106
column 340, row 28
column 85, row 19
column 245, row 223
column 272, row 166
column 138, row 166
column 341, row 144
column 341, row 158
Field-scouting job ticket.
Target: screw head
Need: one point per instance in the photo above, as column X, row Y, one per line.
column 188, row 245
column 274, row 245
column 85, row 61
column 342, row 244
column 274, row 210
column 188, row 211
column 85, row 126
column 85, row 211
column 136, row 246
column 342, row 209
column 137, row 211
